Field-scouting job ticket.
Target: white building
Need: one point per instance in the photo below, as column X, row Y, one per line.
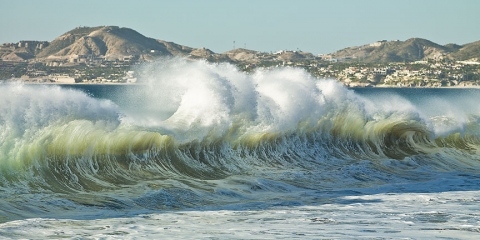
column 63, row 79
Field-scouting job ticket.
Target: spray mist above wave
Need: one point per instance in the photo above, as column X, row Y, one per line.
column 195, row 101
column 27, row 111
column 204, row 98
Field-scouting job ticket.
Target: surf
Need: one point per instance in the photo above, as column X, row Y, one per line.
column 193, row 128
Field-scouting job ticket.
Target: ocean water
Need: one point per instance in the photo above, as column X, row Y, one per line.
column 203, row 151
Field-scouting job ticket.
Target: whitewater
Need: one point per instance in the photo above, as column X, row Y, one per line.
column 199, row 150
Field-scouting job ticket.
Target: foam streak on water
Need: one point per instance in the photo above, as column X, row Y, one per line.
column 451, row 215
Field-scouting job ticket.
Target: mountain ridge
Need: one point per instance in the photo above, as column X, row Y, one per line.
column 113, row 42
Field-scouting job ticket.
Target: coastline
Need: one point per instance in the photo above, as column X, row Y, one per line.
column 140, row 84
column 60, row 83
column 446, row 87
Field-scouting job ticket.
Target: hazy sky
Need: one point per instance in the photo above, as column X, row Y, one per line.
column 264, row 25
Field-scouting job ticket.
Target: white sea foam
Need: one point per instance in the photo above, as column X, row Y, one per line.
column 199, row 95
column 393, row 215
column 26, row 111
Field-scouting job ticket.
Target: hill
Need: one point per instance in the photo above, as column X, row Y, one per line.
column 467, row 52
column 176, row 49
column 413, row 49
column 65, row 40
column 24, row 50
column 112, row 42
column 241, row 54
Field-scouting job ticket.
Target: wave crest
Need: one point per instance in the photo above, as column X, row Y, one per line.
column 196, row 120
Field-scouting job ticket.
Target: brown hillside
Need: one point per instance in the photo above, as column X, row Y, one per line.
column 176, row 49
column 114, row 42
column 467, row 52
column 241, row 54
column 111, row 42
column 413, row 49
column 65, row 40
column 202, row 53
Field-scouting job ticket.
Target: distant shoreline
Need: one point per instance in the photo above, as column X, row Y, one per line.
column 448, row 87
column 144, row 84
column 58, row 83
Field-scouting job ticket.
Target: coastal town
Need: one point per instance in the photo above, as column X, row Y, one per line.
column 89, row 70
column 414, row 74
column 110, row 54
column 95, row 70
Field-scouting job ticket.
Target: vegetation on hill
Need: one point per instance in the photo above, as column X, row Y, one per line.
column 452, row 47
column 467, row 52
column 413, row 49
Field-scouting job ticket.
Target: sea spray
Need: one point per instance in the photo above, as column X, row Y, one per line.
column 209, row 132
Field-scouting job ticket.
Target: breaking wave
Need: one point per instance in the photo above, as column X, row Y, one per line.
column 194, row 129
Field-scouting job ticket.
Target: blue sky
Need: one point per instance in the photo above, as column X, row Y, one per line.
column 264, row 25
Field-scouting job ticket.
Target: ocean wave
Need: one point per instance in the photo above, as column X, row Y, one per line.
column 200, row 121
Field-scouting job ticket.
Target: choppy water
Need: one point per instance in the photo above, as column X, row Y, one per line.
column 201, row 150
